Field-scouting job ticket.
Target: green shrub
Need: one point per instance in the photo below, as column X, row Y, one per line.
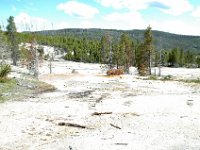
column 152, row 77
column 168, row 77
column 4, row 71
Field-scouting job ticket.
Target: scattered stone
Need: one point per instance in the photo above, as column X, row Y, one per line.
column 48, row 134
column 189, row 102
column 80, row 94
column 74, row 71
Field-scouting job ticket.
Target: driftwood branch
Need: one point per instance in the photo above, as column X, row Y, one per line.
column 101, row 113
column 115, row 126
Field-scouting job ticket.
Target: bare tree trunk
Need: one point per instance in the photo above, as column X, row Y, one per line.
column 14, row 57
column 149, row 62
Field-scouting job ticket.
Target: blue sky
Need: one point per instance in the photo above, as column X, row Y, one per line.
column 175, row 16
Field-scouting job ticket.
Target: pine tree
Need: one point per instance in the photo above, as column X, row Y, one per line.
column 144, row 54
column 148, row 42
column 105, row 48
column 181, row 61
column 198, row 61
column 142, row 60
column 116, row 55
column 126, row 54
column 12, row 38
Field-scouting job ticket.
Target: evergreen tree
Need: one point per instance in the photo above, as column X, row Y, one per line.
column 105, row 48
column 142, row 60
column 148, row 42
column 198, row 61
column 116, row 55
column 126, row 46
column 181, row 58
column 144, row 54
column 174, row 57
column 189, row 58
column 12, row 37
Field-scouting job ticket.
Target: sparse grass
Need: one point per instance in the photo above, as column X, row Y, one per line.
column 4, row 80
column 6, row 88
column 44, row 87
column 12, row 89
column 152, row 77
column 197, row 81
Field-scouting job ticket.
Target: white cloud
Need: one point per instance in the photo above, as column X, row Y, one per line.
column 177, row 7
column 129, row 20
column 77, row 8
column 25, row 22
column 172, row 7
column 117, row 4
column 177, row 26
column 129, row 4
column 196, row 12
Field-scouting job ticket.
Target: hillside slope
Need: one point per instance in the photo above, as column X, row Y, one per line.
column 162, row 40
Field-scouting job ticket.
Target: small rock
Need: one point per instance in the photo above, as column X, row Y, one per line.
column 48, row 134
column 44, row 139
column 74, row 71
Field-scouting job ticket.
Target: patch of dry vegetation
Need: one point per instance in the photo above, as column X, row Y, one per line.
column 114, row 72
column 17, row 89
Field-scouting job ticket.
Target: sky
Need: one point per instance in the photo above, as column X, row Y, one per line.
column 175, row 16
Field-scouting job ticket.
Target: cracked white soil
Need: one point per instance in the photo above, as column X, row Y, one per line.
column 141, row 114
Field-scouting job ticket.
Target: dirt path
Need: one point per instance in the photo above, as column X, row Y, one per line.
column 140, row 115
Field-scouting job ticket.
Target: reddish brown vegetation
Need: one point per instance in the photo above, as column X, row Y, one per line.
column 113, row 72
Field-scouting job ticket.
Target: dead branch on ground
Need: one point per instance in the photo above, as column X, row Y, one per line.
column 117, row 127
column 100, row 113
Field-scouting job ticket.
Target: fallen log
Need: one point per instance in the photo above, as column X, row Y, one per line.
column 71, row 125
column 101, row 113
column 115, row 126
column 121, row 143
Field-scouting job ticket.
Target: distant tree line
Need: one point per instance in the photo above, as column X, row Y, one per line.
column 122, row 52
column 177, row 57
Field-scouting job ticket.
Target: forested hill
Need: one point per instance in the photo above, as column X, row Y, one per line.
column 162, row 40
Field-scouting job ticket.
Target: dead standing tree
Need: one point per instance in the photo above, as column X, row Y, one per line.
column 33, row 61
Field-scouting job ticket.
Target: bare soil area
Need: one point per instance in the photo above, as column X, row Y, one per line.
column 90, row 111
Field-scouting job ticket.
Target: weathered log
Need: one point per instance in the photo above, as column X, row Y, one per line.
column 115, row 126
column 101, row 113
column 71, row 125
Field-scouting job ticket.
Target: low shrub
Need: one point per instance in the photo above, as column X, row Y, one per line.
column 113, row 72
column 168, row 77
column 152, row 77
column 4, row 71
